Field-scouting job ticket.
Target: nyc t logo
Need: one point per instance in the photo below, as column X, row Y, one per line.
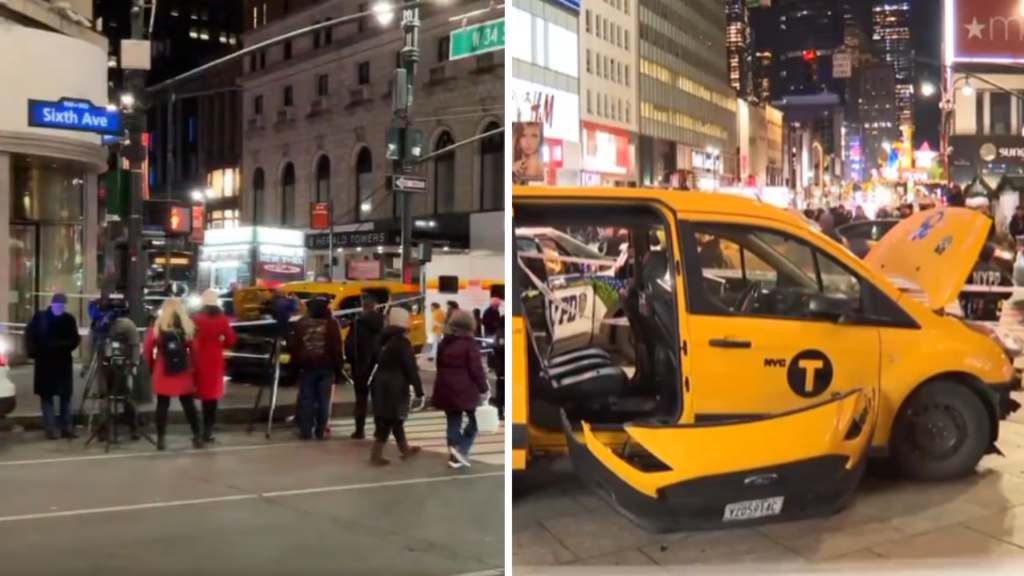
column 930, row 222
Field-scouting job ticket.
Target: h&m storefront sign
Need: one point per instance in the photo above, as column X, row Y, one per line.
column 357, row 239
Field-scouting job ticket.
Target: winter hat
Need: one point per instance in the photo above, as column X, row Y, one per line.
column 461, row 322
column 398, row 317
column 210, row 297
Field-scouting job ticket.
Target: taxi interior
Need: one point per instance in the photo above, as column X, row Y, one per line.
column 587, row 380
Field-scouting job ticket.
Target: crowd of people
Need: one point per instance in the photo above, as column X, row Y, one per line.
column 184, row 355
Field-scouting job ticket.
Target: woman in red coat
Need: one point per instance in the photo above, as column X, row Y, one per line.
column 213, row 336
column 169, row 352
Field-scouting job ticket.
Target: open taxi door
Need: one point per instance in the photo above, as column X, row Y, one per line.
column 799, row 464
column 804, row 460
column 518, row 409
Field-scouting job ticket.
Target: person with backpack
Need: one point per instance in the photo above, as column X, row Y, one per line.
column 316, row 351
column 169, row 352
column 393, row 374
column 213, row 336
column 359, row 345
column 459, row 386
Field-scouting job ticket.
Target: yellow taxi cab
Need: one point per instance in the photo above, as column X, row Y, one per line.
column 764, row 381
column 256, row 341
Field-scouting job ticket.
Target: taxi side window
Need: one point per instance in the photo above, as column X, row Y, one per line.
column 778, row 267
column 350, row 305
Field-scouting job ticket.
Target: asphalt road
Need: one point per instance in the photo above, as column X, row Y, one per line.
column 245, row 506
column 978, row 521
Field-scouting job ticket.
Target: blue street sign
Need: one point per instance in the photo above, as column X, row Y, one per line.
column 74, row 114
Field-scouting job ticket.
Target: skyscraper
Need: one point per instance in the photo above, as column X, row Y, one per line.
column 891, row 39
column 739, row 47
column 808, row 32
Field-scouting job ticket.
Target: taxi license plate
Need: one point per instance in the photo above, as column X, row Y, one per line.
column 753, row 509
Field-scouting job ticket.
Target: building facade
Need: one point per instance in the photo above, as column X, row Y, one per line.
column 759, row 134
column 48, row 177
column 892, row 44
column 877, row 121
column 987, row 136
column 687, row 107
column 546, row 80
column 608, row 88
column 739, row 43
column 316, row 112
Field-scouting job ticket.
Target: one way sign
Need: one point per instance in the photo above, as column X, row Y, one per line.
column 406, row 183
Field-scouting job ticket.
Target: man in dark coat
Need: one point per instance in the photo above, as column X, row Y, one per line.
column 359, row 345
column 51, row 338
column 315, row 346
column 491, row 318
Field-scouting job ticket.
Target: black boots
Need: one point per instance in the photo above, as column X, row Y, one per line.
column 161, row 441
column 377, row 454
column 360, row 432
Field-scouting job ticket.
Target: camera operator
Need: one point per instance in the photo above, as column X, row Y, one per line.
column 116, row 339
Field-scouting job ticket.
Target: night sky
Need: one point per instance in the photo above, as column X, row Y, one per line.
column 926, row 20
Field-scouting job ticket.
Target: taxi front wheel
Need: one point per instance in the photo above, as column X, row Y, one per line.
column 940, row 433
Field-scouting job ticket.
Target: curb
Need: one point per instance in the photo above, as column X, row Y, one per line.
column 229, row 416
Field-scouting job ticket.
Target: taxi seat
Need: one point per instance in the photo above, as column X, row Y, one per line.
column 574, row 356
column 658, row 325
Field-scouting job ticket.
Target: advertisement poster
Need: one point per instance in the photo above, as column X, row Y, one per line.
column 605, row 150
column 278, row 266
column 988, row 31
column 527, row 151
column 364, row 270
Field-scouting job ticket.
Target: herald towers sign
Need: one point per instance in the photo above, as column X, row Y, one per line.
column 983, row 31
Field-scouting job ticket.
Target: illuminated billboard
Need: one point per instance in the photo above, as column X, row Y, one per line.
column 983, row 31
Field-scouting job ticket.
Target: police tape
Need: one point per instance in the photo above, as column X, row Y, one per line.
column 265, row 322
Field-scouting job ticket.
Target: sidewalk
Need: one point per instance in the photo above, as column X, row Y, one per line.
column 236, row 407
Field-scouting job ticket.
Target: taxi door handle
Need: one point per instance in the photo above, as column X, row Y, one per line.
column 729, row 343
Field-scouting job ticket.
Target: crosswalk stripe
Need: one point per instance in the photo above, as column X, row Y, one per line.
column 428, row 430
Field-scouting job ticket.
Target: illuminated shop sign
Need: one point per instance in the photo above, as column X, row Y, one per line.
column 988, row 31
column 606, row 150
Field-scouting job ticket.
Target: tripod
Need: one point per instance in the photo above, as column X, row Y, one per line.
column 116, row 399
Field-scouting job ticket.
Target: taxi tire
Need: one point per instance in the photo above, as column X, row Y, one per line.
column 965, row 460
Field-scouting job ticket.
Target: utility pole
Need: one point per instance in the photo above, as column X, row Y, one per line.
column 135, row 80
column 405, row 144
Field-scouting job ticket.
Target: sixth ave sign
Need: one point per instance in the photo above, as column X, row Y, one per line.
column 406, row 183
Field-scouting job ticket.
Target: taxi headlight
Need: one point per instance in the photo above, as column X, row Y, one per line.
column 1010, row 344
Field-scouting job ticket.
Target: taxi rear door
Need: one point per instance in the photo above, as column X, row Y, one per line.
column 751, row 360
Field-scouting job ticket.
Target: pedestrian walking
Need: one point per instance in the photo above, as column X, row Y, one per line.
column 51, row 337
column 436, row 328
column 316, row 351
column 170, row 353
column 394, row 375
column 213, row 336
column 362, row 337
column 460, row 385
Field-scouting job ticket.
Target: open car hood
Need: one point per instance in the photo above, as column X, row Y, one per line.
column 934, row 250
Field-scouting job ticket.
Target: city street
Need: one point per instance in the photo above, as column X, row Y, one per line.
column 559, row 522
column 248, row 505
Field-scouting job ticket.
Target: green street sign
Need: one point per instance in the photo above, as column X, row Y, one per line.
column 477, row 39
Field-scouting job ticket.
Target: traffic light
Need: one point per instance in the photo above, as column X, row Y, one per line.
column 179, row 221
column 811, row 65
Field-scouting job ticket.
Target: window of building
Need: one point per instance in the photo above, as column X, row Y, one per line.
column 444, row 46
column 363, row 73
column 328, row 33
column 288, row 50
column 625, row 40
column 590, row 104
column 286, row 7
column 361, row 24
column 618, row 36
column 323, row 85
column 606, row 72
column 625, row 6
column 204, row 34
column 999, row 116
column 587, row 20
column 618, row 73
column 627, row 75
column 255, row 17
column 627, row 112
column 597, row 25
column 287, row 96
column 193, row 33
column 263, row 59
column 257, row 105
column 599, row 111
column 597, row 63
column 604, row 29
column 588, row 62
column 317, row 39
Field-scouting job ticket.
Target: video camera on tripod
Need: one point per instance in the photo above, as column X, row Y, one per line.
column 116, row 352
